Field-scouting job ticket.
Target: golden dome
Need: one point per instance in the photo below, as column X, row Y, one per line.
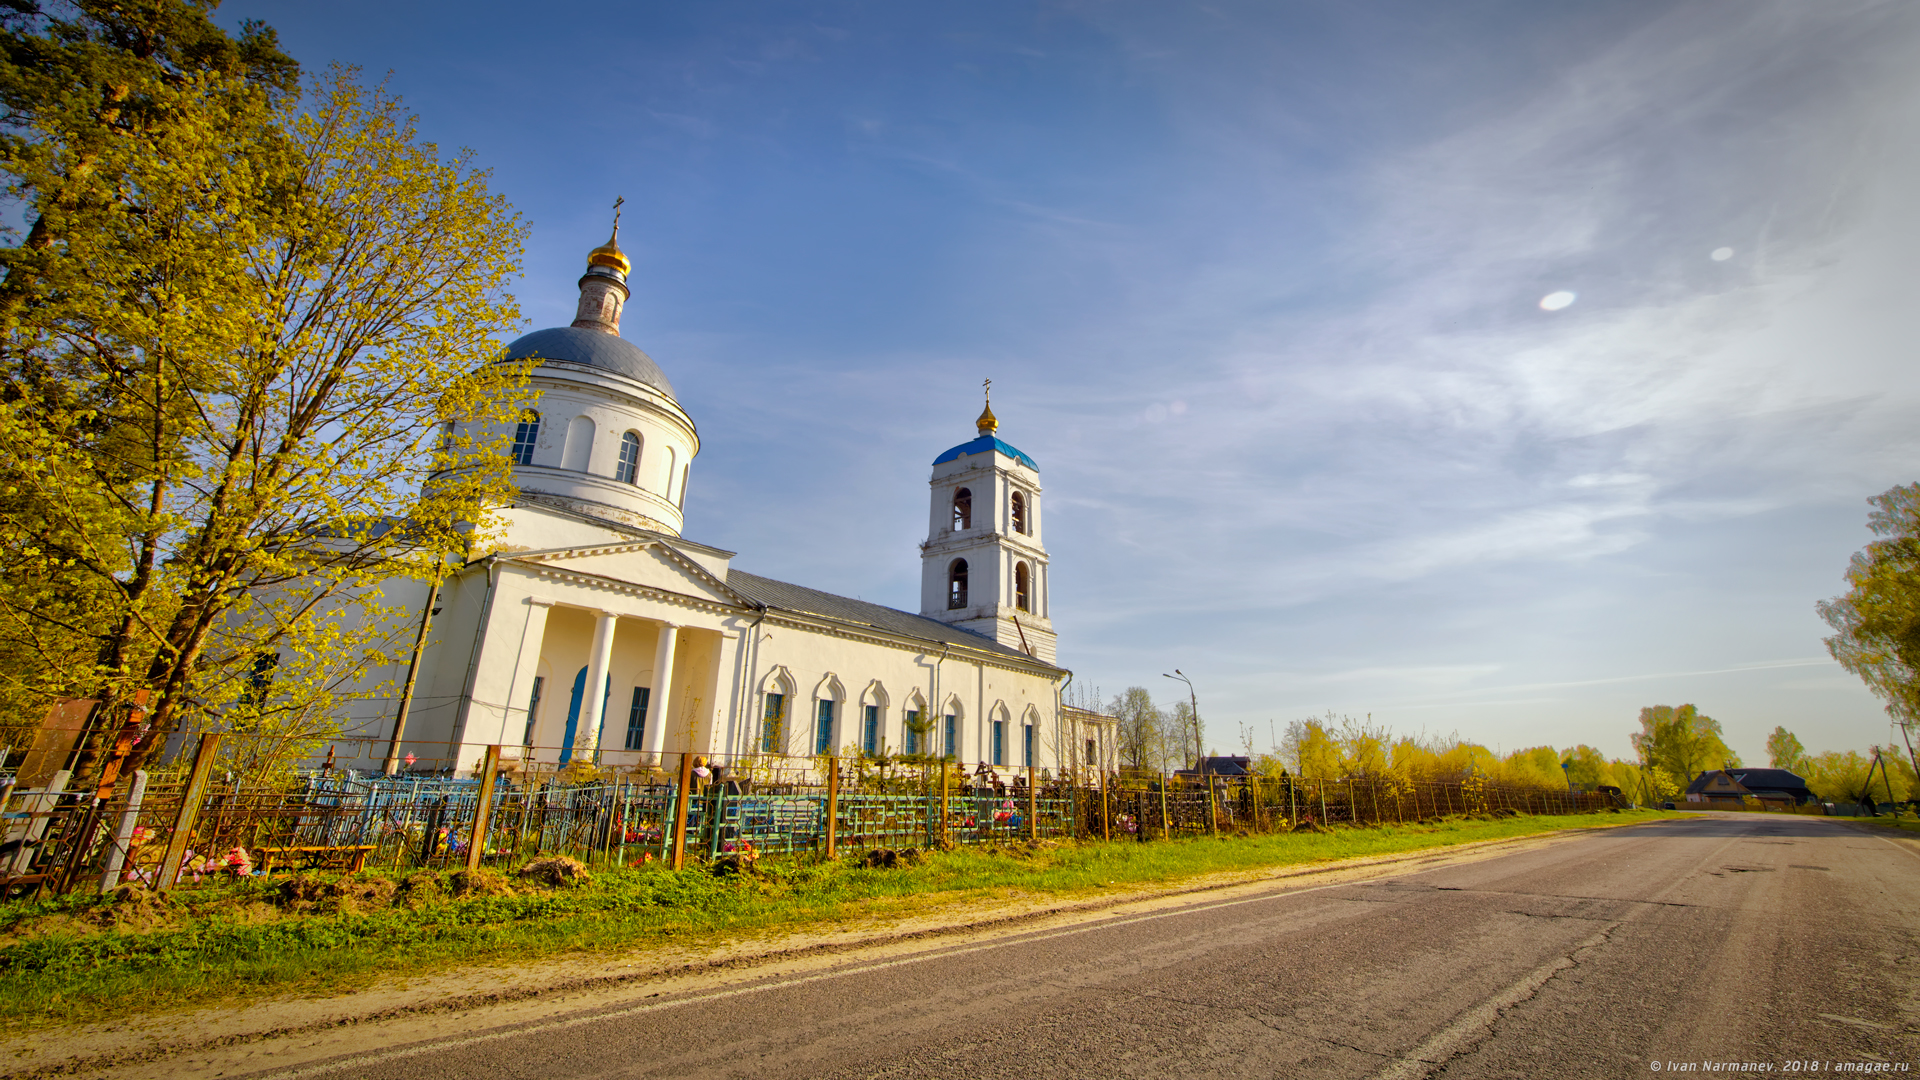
column 610, row 256
column 987, row 423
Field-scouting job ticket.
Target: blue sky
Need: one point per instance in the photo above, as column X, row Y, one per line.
column 1259, row 285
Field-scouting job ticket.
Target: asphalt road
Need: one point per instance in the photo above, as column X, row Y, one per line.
column 1729, row 938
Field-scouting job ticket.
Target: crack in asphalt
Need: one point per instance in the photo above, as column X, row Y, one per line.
column 1563, row 896
column 1475, row 1026
column 1271, row 1023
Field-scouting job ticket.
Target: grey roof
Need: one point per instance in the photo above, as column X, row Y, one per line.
column 1755, row 780
column 595, row 348
column 799, row 598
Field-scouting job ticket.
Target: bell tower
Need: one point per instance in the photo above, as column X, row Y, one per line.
column 983, row 567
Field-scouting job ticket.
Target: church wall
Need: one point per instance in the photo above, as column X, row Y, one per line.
column 535, row 528
column 809, row 657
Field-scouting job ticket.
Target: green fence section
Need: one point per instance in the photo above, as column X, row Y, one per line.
column 324, row 819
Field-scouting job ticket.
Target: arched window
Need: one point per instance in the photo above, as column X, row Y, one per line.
column 1019, row 513
column 525, row 436
column 962, row 509
column 628, row 470
column 957, row 585
column 1022, row 588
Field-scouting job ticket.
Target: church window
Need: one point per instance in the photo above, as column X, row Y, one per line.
column 260, row 682
column 1026, row 750
column 524, row 436
column 911, row 736
column 637, row 719
column 1019, row 513
column 770, row 723
column 1022, row 588
column 957, row 585
column 533, row 709
column 823, row 729
column 999, row 742
column 962, row 510
column 628, row 470
column 870, row 733
column 953, row 736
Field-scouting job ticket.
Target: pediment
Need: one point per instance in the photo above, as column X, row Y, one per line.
column 648, row 563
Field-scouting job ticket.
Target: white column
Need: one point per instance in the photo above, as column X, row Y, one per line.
column 725, row 744
column 586, row 736
column 662, row 696
column 514, row 719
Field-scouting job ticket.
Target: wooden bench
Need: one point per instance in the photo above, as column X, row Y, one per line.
column 351, row 857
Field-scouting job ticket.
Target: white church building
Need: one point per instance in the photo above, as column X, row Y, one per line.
column 595, row 586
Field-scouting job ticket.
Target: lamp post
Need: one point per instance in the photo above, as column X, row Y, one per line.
column 1199, row 748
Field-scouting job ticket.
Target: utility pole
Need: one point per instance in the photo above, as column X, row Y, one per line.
column 1199, row 743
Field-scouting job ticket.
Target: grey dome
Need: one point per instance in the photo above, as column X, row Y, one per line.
column 594, row 348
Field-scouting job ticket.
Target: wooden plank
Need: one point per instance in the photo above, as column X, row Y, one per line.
column 477, row 840
column 189, row 810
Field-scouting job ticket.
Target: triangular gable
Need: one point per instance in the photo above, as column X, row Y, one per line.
column 650, row 563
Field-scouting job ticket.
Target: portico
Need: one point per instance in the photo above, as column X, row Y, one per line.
column 553, row 628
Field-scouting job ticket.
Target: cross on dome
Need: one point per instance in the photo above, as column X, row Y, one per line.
column 609, row 255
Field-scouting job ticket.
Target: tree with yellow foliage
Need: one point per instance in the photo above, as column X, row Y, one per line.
column 1877, row 623
column 226, row 385
column 1677, row 744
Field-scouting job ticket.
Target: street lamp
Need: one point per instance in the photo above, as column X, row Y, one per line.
column 1199, row 749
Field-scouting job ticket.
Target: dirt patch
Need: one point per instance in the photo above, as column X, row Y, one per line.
column 483, row 882
column 890, row 859
column 558, row 872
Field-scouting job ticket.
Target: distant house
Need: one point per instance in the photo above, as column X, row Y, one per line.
column 1234, row 767
column 1730, row 786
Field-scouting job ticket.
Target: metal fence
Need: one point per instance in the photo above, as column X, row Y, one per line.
column 187, row 820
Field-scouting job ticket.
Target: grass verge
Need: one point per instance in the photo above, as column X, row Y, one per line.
column 79, row 958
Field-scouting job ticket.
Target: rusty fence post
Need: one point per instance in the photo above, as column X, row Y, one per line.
column 1106, row 809
column 483, row 808
column 946, row 777
column 1033, row 801
column 1213, row 811
column 1166, row 829
column 680, row 810
column 189, row 810
column 833, row 804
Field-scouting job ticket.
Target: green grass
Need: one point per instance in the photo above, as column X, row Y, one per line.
column 76, row 958
column 1901, row 824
